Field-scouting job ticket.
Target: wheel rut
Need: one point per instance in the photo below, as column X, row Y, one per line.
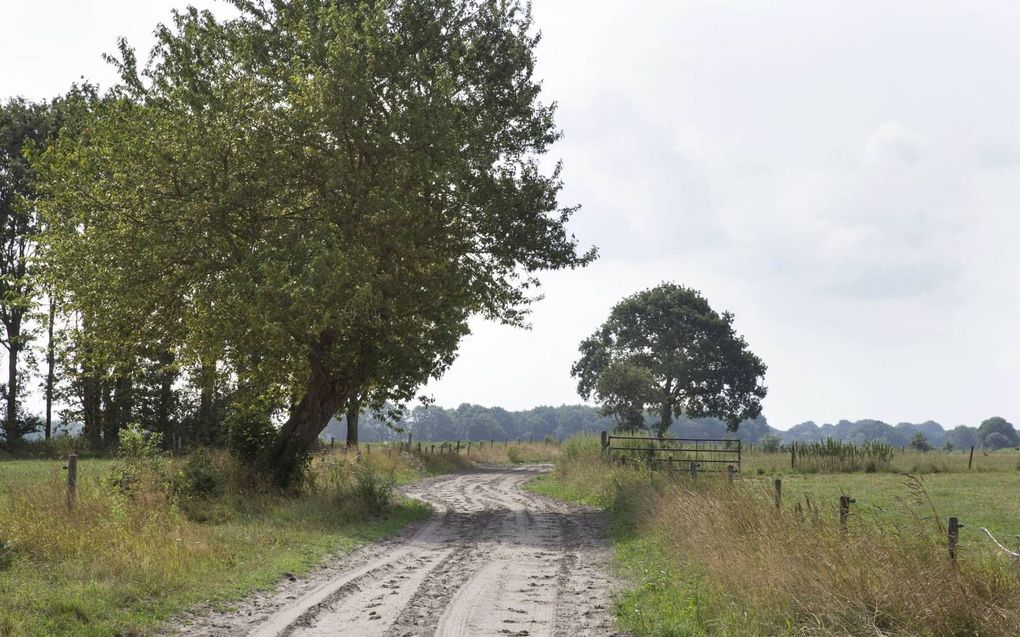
column 494, row 561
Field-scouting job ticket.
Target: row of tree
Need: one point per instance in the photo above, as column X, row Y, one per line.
column 475, row 422
column 282, row 217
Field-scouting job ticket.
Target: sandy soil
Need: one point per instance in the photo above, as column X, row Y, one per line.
column 493, row 560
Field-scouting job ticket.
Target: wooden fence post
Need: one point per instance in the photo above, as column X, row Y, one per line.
column 409, row 441
column 953, row 537
column 368, row 449
column 970, row 462
column 458, row 446
column 844, row 509
column 694, row 469
column 730, row 471
column 793, row 455
column 72, row 479
column 332, row 441
column 605, row 440
column 778, row 485
column 468, row 452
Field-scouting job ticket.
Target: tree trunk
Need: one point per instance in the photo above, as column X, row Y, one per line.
column 666, row 411
column 324, row 395
column 50, row 368
column 207, row 386
column 11, row 420
column 166, row 379
column 91, row 406
column 353, row 412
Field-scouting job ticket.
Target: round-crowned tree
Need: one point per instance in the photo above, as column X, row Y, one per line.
column 680, row 357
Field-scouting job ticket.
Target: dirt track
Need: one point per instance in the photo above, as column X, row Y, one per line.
column 494, row 560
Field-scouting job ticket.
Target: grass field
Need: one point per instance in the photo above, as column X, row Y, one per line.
column 711, row 558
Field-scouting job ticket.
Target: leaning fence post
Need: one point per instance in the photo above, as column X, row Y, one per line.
column 72, row 479
column 970, row 462
column 778, row 484
column 844, row 509
column 953, row 537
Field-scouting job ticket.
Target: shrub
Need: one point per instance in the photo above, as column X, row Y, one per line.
column 373, row 488
column 769, row 443
column 248, row 432
column 142, row 464
column 200, row 477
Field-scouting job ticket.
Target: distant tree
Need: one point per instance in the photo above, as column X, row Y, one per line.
column 997, row 425
column 962, row 437
column 919, row 442
column 996, row 440
column 769, row 443
column 947, row 447
column 699, row 365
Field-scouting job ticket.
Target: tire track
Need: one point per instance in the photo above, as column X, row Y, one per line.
column 496, row 561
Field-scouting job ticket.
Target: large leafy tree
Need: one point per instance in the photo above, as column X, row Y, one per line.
column 666, row 348
column 316, row 195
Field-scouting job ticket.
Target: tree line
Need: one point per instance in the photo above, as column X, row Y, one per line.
column 278, row 218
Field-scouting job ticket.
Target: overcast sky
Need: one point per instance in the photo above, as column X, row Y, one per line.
column 844, row 177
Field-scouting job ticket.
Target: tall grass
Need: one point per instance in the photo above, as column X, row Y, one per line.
column 838, row 456
column 177, row 532
column 717, row 558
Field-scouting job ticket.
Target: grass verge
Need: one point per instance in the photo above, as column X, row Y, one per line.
column 711, row 558
column 139, row 547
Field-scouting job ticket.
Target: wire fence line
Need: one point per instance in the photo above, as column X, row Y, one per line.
column 1013, row 554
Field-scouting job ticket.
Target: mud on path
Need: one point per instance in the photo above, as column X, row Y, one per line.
column 494, row 560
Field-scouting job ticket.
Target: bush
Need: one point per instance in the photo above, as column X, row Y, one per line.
column 142, row 464
column 373, row 488
column 248, row 432
column 200, row 477
column 769, row 443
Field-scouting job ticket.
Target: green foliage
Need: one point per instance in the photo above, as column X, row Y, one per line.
column 835, row 456
column 769, row 443
column 373, row 488
column 1004, row 433
column 692, row 361
column 920, row 443
column 625, row 390
column 141, row 465
column 200, row 477
column 996, row 440
column 248, row 431
column 317, row 195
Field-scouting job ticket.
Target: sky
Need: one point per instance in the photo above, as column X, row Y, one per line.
column 843, row 177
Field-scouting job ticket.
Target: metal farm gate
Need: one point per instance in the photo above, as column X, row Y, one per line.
column 675, row 454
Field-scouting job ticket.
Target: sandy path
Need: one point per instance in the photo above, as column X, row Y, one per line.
column 494, row 561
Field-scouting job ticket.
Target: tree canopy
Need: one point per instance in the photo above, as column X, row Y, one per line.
column 666, row 347
column 315, row 195
column 997, row 426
